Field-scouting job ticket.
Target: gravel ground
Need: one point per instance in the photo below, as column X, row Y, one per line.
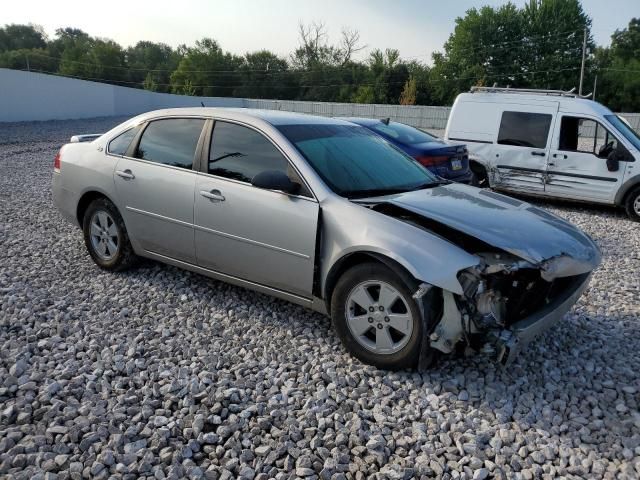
column 161, row 373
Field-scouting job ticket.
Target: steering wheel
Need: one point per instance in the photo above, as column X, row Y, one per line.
column 605, row 150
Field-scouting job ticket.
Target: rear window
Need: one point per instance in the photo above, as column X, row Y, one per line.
column 403, row 133
column 523, row 129
column 171, row 141
column 120, row 144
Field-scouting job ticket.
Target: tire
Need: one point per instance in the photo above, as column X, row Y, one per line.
column 106, row 238
column 479, row 176
column 347, row 317
column 632, row 204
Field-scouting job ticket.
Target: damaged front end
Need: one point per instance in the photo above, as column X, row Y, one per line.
column 506, row 302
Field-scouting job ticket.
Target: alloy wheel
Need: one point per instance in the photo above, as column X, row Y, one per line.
column 104, row 235
column 379, row 317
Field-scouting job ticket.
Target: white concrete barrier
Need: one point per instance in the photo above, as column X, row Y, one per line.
column 27, row 96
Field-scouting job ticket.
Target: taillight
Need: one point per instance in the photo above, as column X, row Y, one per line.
column 429, row 161
column 56, row 163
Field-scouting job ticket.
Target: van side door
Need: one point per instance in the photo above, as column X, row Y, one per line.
column 522, row 148
column 583, row 164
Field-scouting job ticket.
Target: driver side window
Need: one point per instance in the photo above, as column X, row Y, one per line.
column 240, row 153
column 585, row 135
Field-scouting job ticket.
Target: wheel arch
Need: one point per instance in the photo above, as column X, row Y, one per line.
column 85, row 200
column 363, row 256
column 626, row 189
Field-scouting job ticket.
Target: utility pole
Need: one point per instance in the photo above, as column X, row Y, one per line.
column 27, row 57
column 595, row 84
column 584, row 54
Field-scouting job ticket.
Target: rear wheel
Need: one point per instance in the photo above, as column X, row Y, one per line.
column 376, row 317
column 105, row 236
column 632, row 204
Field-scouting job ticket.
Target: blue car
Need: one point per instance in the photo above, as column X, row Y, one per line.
column 447, row 161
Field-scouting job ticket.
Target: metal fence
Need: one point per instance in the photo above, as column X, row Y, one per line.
column 417, row 116
column 427, row 117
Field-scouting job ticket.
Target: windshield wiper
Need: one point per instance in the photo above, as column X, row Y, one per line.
column 432, row 184
column 372, row 192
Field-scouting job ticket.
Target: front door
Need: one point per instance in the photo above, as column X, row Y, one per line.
column 577, row 167
column 263, row 236
column 156, row 188
column 522, row 149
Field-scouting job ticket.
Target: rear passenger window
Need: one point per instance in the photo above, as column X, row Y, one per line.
column 120, row 144
column 171, row 141
column 524, row 129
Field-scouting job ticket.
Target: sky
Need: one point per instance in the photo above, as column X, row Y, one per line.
column 416, row 28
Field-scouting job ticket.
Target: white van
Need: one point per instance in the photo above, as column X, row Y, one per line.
column 548, row 143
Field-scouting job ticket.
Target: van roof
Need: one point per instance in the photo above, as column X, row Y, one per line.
column 567, row 104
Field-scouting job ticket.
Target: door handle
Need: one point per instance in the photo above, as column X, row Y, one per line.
column 126, row 174
column 561, row 155
column 213, row 195
column 538, row 154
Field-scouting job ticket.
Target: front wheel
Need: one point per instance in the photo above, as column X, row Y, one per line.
column 105, row 236
column 632, row 204
column 376, row 317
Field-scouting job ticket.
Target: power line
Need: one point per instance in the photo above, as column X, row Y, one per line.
column 355, row 85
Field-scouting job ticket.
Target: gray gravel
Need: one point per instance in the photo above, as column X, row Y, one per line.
column 161, row 373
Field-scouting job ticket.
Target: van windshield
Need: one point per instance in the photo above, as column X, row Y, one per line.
column 624, row 128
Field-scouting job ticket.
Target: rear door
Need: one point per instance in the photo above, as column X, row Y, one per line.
column 263, row 236
column 577, row 167
column 522, row 148
column 156, row 186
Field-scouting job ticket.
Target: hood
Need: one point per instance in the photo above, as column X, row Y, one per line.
column 516, row 227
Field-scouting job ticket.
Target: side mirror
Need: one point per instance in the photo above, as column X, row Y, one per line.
column 275, row 180
column 605, row 150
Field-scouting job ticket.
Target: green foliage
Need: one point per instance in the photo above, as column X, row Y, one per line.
column 18, row 37
column 207, row 69
column 618, row 70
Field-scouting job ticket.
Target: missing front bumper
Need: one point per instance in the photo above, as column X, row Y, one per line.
column 510, row 341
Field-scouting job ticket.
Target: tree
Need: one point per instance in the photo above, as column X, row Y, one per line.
column 618, row 69
column 16, row 37
column 408, row 95
column 263, row 74
column 538, row 46
column 207, row 70
column 151, row 64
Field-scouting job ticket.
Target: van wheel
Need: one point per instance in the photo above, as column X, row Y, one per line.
column 105, row 236
column 479, row 176
column 632, row 204
column 376, row 317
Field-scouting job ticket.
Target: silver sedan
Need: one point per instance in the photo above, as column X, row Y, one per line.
column 326, row 214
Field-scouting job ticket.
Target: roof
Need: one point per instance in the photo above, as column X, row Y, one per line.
column 274, row 117
column 566, row 104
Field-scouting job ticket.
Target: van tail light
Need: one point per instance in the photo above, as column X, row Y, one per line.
column 56, row 163
column 432, row 161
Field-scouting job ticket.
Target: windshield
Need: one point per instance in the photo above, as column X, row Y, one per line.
column 403, row 133
column 624, row 128
column 355, row 162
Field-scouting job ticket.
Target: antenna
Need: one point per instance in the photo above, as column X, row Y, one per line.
column 202, row 103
